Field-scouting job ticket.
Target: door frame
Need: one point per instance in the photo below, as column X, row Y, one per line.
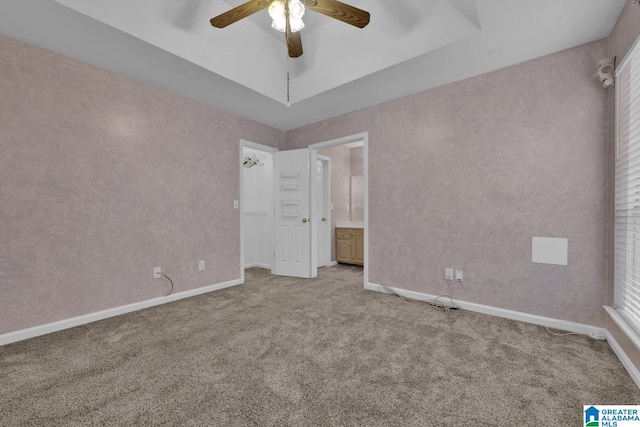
column 364, row 137
column 259, row 147
column 326, row 184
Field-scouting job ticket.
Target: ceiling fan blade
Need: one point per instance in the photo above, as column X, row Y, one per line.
column 294, row 42
column 239, row 12
column 340, row 11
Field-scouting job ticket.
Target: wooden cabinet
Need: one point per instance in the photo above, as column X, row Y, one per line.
column 357, row 245
column 350, row 245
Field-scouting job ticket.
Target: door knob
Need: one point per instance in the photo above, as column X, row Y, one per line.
column 324, row 219
column 304, row 219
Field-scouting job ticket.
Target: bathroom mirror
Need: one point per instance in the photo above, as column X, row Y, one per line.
column 357, row 198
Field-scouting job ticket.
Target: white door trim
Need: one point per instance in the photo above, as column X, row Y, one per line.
column 326, row 184
column 364, row 137
column 313, row 243
column 259, row 147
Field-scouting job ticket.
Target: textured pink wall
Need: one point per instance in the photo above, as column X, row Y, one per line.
column 624, row 34
column 466, row 174
column 103, row 178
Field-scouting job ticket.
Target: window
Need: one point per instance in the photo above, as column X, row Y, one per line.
column 627, row 190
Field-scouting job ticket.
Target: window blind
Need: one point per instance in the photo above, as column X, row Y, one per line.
column 627, row 190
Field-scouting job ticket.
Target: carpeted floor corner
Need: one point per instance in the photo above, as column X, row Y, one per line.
column 292, row 352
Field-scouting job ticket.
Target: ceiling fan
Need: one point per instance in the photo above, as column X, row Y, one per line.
column 287, row 16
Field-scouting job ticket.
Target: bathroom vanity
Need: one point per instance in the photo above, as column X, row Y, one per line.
column 350, row 242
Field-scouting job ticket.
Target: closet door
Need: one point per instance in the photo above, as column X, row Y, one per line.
column 293, row 224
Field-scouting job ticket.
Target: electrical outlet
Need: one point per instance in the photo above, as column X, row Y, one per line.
column 201, row 265
column 448, row 273
column 459, row 275
column 157, row 273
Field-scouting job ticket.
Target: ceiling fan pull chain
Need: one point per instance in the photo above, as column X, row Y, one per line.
column 288, row 98
column 288, row 104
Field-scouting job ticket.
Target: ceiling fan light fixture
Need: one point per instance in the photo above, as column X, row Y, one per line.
column 296, row 9
column 277, row 12
column 296, row 24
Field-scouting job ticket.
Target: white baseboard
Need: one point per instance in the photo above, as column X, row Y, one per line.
column 632, row 335
column 332, row 264
column 624, row 359
column 626, row 329
column 593, row 331
column 259, row 265
column 112, row 312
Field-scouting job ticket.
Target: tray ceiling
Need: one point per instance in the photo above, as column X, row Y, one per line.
column 409, row 46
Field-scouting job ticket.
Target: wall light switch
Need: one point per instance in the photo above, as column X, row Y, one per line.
column 201, row 265
column 236, row 204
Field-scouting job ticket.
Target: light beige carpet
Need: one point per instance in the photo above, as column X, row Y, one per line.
column 322, row 352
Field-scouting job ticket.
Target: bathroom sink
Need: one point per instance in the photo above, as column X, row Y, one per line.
column 349, row 224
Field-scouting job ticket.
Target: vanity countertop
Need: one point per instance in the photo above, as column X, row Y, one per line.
column 350, row 224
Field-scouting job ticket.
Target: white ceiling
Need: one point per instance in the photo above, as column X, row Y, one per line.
column 409, row 46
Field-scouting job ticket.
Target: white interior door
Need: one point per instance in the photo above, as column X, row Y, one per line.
column 292, row 209
column 322, row 217
column 319, row 218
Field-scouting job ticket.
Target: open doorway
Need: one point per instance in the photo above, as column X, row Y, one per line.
column 349, row 196
column 256, row 206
